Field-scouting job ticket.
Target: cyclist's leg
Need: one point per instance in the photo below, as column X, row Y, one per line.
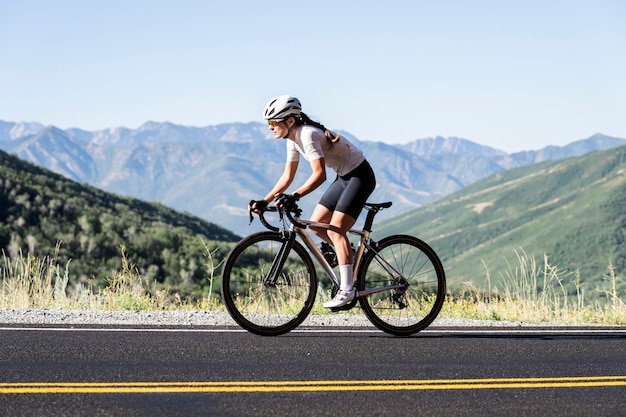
column 340, row 192
column 346, row 294
column 338, row 236
column 321, row 214
column 358, row 186
column 340, row 207
column 325, row 213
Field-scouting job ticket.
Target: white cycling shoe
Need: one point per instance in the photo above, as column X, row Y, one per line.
column 341, row 298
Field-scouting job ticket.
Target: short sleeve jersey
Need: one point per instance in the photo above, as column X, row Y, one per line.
column 310, row 142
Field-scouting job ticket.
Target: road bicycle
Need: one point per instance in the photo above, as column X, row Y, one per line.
column 269, row 281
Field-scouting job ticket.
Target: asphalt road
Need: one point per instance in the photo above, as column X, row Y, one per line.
column 205, row 372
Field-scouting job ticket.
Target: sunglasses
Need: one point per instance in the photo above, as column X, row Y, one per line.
column 274, row 122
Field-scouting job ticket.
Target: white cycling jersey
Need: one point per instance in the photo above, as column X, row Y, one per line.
column 310, row 142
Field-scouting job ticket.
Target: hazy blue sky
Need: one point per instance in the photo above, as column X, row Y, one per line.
column 514, row 75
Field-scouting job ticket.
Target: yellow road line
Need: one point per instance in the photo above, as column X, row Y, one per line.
column 302, row 386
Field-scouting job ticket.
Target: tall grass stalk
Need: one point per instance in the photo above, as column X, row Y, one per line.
column 211, row 266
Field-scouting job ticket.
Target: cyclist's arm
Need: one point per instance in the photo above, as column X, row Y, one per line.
column 284, row 181
column 317, row 177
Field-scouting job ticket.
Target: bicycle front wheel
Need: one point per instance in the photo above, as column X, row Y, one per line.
column 415, row 270
column 264, row 300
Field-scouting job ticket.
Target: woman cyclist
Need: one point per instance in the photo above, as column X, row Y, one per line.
column 342, row 202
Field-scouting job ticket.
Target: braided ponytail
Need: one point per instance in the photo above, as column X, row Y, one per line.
column 332, row 137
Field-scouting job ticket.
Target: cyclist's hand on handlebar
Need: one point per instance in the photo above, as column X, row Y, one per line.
column 287, row 202
column 257, row 206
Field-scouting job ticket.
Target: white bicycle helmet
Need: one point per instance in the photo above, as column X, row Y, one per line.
column 281, row 107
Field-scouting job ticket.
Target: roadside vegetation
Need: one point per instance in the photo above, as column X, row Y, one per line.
column 65, row 245
column 39, row 209
column 42, row 283
column 534, row 291
column 529, row 291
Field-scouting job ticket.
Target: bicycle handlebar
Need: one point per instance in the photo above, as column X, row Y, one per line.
column 295, row 210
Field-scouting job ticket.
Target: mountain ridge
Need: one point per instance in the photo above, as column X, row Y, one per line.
column 213, row 171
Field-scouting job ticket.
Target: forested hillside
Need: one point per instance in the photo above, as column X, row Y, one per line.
column 40, row 210
column 573, row 211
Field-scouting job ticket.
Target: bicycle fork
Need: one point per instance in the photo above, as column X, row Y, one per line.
column 283, row 253
column 279, row 259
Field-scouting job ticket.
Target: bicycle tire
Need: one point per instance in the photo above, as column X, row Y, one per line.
column 268, row 310
column 409, row 260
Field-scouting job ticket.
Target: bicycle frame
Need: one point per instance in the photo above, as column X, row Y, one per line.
column 364, row 242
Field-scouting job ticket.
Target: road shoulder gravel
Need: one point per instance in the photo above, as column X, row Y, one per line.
column 197, row 318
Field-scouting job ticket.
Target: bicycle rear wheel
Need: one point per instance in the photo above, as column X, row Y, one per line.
column 409, row 262
column 258, row 302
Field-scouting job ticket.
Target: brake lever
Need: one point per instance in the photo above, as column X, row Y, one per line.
column 250, row 211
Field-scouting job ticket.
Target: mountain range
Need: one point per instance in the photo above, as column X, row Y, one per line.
column 212, row 172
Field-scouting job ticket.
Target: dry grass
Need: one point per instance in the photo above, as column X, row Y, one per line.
column 535, row 293
column 29, row 282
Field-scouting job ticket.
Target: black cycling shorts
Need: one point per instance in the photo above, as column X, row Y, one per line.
column 349, row 193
